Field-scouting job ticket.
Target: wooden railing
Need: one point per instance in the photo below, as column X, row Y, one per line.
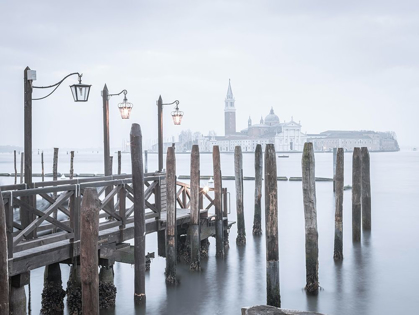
column 53, row 208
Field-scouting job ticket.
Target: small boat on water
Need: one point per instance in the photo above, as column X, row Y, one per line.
column 283, row 156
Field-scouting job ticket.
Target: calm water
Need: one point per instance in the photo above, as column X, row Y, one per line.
column 377, row 276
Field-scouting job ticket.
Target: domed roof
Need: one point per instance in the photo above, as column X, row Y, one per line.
column 271, row 119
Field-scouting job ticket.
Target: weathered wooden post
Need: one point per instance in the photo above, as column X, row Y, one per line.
column 4, row 267
column 356, row 195
column 219, row 242
column 53, row 293
column 339, row 180
column 71, row 164
column 271, row 227
column 55, row 165
column 335, row 150
column 89, row 251
column 238, row 170
column 257, row 219
column 310, row 216
column 22, row 159
column 366, row 189
column 171, row 250
column 194, row 228
column 139, row 212
column 42, row 166
column 225, row 215
column 111, row 165
column 119, row 162
column 15, row 165
column 146, row 161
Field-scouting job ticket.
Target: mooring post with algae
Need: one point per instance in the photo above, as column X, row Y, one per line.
column 194, row 228
column 136, row 140
column 257, row 219
column 271, row 227
column 219, row 242
column 238, row 171
column 310, row 216
column 366, row 189
column 171, row 250
column 4, row 267
column 356, row 195
column 339, row 180
column 88, row 251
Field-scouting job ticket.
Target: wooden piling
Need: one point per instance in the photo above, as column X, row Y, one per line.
column 194, row 228
column 219, row 244
column 238, row 170
column 4, row 268
column 136, row 139
column 53, row 293
column 22, row 159
column 271, row 227
column 171, row 250
column 119, row 162
column 356, row 195
column 89, row 251
column 42, row 166
column 335, row 150
column 15, row 165
column 339, row 180
column 71, row 164
column 366, row 189
column 310, row 216
column 257, row 219
column 111, row 165
column 55, row 165
column 146, row 161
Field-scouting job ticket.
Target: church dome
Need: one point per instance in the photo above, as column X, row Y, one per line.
column 271, row 119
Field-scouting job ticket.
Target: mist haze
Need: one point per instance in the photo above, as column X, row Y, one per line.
column 346, row 66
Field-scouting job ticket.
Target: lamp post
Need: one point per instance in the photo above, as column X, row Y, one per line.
column 177, row 119
column 80, row 94
column 125, row 109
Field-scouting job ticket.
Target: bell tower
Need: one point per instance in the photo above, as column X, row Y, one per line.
column 229, row 113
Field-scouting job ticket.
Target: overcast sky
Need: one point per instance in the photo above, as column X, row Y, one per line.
column 348, row 65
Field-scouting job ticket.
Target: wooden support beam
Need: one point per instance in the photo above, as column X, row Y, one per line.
column 171, row 259
column 71, row 164
column 219, row 240
column 339, row 183
column 310, row 216
column 366, row 189
column 194, row 228
column 89, row 251
column 139, row 213
column 257, row 219
column 4, row 267
column 271, row 227
column 238, row 171
column 356, row 195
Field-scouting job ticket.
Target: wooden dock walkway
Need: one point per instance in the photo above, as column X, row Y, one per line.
column 45, row 240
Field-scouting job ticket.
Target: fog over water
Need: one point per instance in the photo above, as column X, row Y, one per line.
column 378, row 276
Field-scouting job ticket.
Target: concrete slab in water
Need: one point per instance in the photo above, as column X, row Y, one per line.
column 270, row 310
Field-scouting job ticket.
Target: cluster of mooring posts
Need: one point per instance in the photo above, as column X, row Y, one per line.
column 65, row 221
column 70, row 221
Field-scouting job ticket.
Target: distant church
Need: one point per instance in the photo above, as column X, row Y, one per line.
column 286, row 136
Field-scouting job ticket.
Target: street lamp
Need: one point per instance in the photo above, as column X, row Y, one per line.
column 177, row 119
column 125, row 110
column 80, row 94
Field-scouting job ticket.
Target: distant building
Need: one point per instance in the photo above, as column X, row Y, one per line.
column 286, row 136
column 374, row 141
